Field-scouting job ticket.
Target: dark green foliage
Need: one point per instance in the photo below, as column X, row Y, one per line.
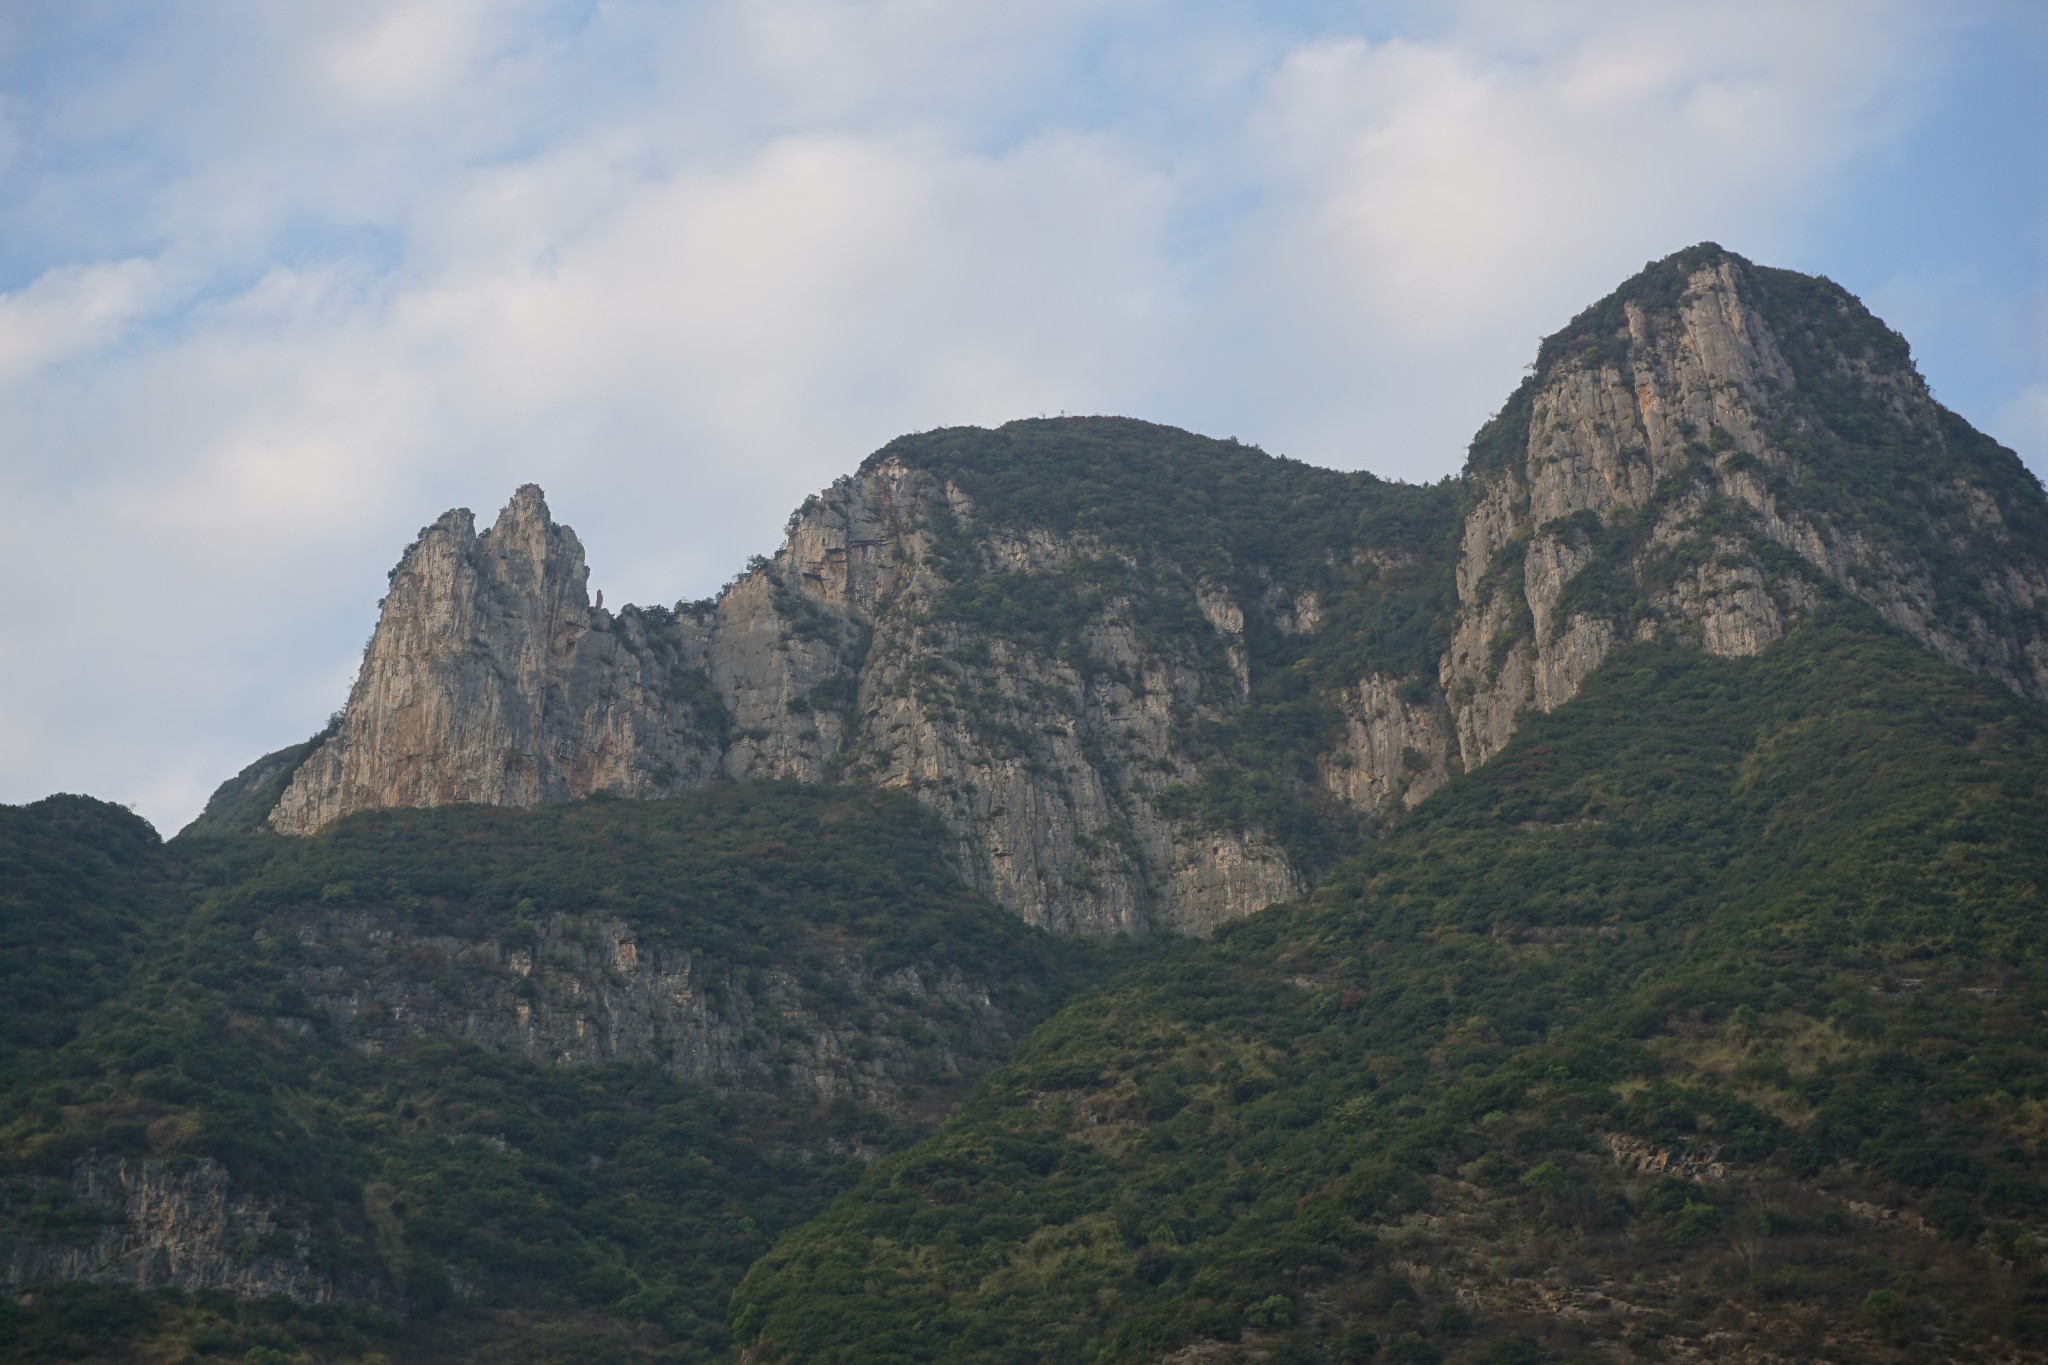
column 1626, row 924
column 1894, row 481
column 506, row 1201
column 1598, row 336
column 1209, row 506
column 1716, row 993
column 1176, row 509
column 1861, row 457
column 736, row 872
column 1504, row 440
column 91, row 1323
column 78, row 888
column 655, row 633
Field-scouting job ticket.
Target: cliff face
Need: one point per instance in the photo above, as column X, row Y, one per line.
column 491, row 679
column 147, row 1223
column 1046, row 762
column 1149, row 700
column 1708, row 455
column 344, row 1069
column 588, row 990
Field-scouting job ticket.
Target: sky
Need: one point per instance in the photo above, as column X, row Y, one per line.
column 281, row 282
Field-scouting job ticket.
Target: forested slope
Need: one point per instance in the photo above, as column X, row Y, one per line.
column 333, row 1086
column 1705, row 1018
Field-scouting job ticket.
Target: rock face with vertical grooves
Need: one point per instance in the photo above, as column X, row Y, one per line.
column 175, row 1225
column 491, row 679
column 588, row 991
column 1151, row 681
column 1708, row 454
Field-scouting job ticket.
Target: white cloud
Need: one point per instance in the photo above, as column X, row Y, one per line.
column 1435, row 204
column 73, row 309
column 403, row 52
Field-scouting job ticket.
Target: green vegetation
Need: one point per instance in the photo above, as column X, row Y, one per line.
column 1911, row 480
column 1705, row 1018
column 243, row 803
column 1875, row 474
column 78, row 890
column 93, row 1324
column 738, row 872
column 1782, row 915
column 1169, row 505
column 601, row 1209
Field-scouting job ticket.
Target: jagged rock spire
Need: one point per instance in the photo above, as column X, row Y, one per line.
column 488, row 679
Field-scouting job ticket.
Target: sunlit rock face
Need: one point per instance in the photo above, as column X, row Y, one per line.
column 491, row 679
column 1720, row 490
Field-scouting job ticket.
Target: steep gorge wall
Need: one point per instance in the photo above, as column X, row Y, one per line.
column 490, row 678
column 586, row 990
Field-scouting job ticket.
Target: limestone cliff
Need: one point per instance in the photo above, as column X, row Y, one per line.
column 1156, row 682
column 491, row 679
column 148, row 1223
column 1710, row 453
column 587, row 990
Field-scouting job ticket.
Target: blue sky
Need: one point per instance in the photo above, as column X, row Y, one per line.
column 280, row 283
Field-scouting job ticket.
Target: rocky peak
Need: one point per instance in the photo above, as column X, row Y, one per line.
column 488, row 679
column 1708, row 454
column 536, row 560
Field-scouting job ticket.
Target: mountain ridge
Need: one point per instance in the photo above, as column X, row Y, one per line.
column 975, row 615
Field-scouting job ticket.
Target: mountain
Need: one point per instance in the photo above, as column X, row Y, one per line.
column 1153, row 681
column 1098, row 892
column 1700, row 1024
column 573, row 1068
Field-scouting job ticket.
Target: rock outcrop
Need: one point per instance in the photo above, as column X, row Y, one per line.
column 490, row 678
column 147, row 1223
column 1709, row 454
column 587, row 990
column 1130, row 731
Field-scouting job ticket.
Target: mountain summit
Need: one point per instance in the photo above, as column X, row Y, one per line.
column 1153, row 681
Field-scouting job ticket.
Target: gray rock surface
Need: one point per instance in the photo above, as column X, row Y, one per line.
column 1688, row 438
column 585, row 990
column 158, row 1224
column 491, row 679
